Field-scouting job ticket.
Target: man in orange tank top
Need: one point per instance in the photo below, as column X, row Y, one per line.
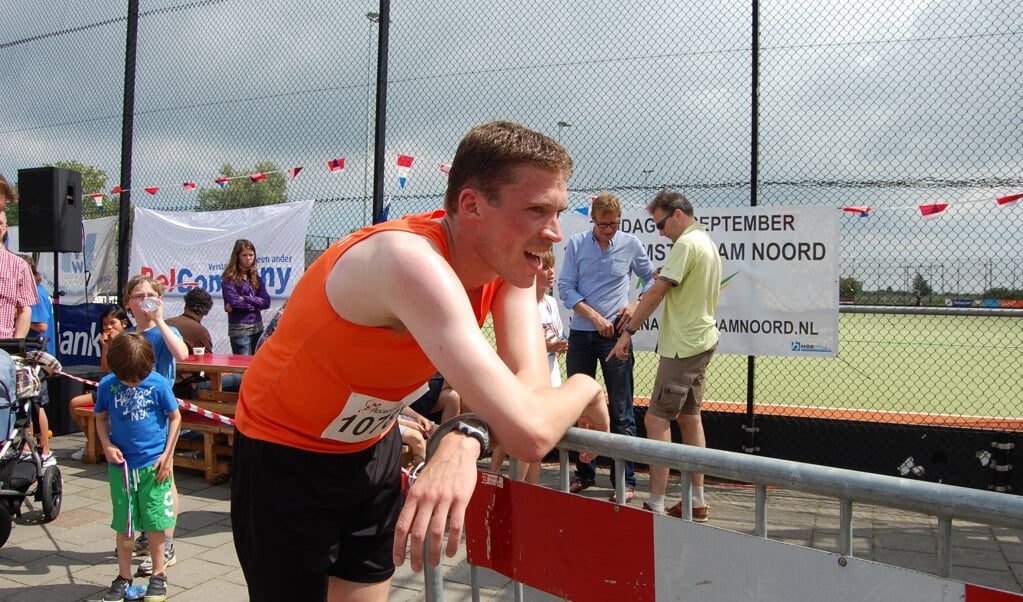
column 316, row 505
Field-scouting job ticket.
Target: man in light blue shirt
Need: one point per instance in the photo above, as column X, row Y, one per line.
column 594, row 283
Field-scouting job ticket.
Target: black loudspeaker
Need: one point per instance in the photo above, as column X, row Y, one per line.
column 50, row 209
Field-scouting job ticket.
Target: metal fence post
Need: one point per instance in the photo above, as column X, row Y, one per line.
column 845, row 532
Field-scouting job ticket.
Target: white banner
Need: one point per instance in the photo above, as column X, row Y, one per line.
column 82, row 276
column 779, row 290
column 186, row 249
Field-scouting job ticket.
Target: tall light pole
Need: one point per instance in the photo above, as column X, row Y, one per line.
column 374, row 18
column 562, row 125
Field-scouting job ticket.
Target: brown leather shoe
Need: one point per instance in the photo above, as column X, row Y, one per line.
column 700, row 515
column 580, row 484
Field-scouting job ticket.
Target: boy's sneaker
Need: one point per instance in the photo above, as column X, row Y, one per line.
column 169, row 560
column 141, row 546
column 117, row 590
column 78, row 455
column 157, row 590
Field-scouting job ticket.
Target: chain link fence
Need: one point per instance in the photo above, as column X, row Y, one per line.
column 876, row 103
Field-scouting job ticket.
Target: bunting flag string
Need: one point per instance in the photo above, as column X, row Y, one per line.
column 291, row 173
column 931, row 211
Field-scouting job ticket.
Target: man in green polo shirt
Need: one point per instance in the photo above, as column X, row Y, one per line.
column 688, row 284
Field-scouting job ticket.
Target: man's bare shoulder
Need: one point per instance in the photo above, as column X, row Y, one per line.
column 383, row 272
column 390, row 249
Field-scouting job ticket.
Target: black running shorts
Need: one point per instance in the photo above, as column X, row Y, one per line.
column 299, row 516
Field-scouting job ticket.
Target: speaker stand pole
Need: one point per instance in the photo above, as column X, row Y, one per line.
column 55, row 335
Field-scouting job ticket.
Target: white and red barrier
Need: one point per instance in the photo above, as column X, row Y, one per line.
column 584, row 549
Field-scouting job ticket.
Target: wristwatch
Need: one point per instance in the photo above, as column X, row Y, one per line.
column 470, row 428
column 468, row 424
column 629, row 329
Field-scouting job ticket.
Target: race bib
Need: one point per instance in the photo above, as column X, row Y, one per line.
column 365, row 417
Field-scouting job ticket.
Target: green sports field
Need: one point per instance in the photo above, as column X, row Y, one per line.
column 961, row 365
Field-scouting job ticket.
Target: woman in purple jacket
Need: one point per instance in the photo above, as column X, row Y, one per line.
column 245, row 298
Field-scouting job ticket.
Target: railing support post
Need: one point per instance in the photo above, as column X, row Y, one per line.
column 761, row 510
column 845, row 531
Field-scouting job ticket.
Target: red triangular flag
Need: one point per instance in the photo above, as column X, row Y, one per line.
column 862, row 210
column 294, row 171
column 1005, row 200
column 933, row 210
column 336, row 164
column 116, row 190
column 221, row 181
column 257, row 177
column 188, row 185
column 445, row 168
column 97, row 197
column 152, row 189
column 405, row 160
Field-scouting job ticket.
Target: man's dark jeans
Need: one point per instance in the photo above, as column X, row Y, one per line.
column 585, row 350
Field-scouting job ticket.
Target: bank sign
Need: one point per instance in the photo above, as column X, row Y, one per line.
column 779, row 282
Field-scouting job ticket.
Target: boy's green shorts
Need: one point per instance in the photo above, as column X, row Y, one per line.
column 148, row 503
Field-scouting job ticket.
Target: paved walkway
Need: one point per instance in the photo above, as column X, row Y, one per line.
column 72, row 557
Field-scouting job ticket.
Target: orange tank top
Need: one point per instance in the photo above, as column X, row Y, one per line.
column 323, row 384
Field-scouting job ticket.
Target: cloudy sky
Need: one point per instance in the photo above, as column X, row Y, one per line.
column 656, row 92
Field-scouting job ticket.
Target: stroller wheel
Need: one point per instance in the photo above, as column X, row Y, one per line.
column 51, row 491
column 5, row 524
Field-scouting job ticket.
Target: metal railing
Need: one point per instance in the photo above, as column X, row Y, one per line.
column 945, row 502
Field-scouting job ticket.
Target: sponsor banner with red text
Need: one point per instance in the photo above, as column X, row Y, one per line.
column 187, row 249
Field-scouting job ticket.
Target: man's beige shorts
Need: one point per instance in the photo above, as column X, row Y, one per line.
column 678, row 388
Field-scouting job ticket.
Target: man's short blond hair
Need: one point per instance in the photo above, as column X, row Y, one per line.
column 605, row 203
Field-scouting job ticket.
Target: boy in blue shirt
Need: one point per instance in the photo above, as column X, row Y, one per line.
column 137, row 421
column 169, row 347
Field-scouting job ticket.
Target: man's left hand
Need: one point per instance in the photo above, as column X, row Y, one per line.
column 439, row 497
